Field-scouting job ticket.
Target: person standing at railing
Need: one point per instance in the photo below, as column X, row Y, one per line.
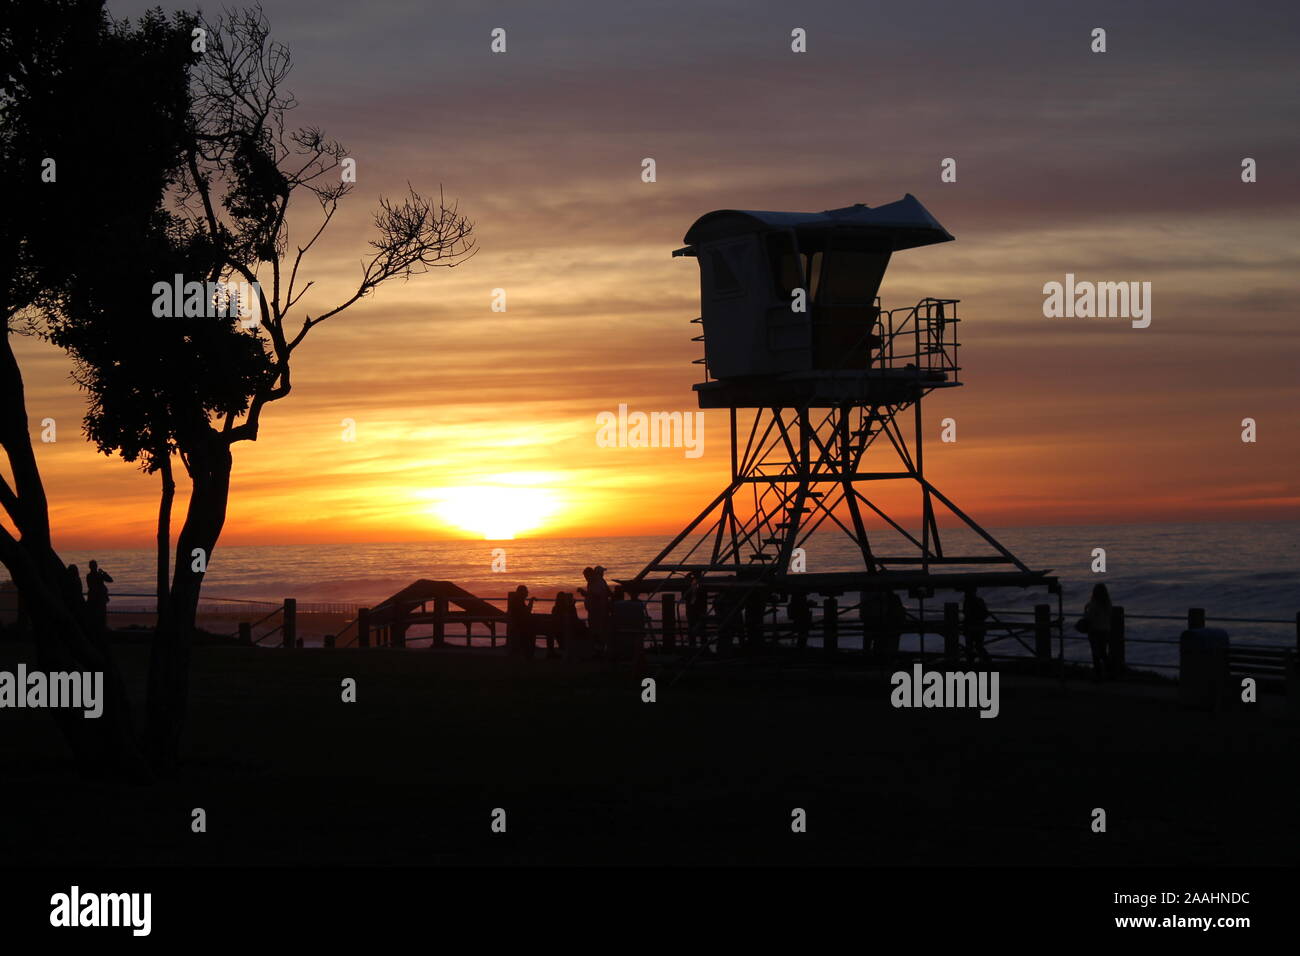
column 73, row 583
column 97, row 581
column 564, row 619
column 728, row 608
column 869, row 616
column 975, row 615
column 631, row 621
column 519, row 610
column 891, row 633
column 697, row 608
column 596, row 598
column 800, row 613
column 1096, row 624
column 754, row 609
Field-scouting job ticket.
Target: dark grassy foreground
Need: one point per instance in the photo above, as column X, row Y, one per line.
column 588, row 773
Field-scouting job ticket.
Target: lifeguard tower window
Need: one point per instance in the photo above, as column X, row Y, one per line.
column 845, row 311
column 725, row 282
column 853, row 273
column 788, row 266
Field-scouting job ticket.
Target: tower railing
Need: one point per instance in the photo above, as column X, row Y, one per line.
column 923, row 336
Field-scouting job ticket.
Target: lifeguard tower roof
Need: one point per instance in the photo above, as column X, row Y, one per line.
column 906, row 223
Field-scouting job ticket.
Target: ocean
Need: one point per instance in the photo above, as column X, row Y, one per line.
column 1232, row 570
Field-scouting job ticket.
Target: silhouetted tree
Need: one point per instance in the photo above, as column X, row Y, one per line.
column 199, row 386
column 170, row 160
column 93, row 117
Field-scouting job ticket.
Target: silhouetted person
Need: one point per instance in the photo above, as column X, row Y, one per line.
column 727, row 608
column 564, row 621
column 588, row 604
column 872, row 615
column 597, row 599
column 754, row 609
column 97, row 582
column 519, row 609
column 800, row 614
column 892, row 625
column 74, row 584
column 975, row 615
column 630, row 621
column 576, row 642
column 697, row 608
column 1097, row 615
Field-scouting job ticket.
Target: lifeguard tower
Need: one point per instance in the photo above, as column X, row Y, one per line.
column 797, row 342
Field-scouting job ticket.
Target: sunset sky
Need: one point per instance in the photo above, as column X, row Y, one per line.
column 1122, row 166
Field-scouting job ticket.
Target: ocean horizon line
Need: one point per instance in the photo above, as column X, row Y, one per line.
column 667, row 535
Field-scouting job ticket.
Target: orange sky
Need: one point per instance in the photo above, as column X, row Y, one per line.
column 447, row 395
column 468, row 420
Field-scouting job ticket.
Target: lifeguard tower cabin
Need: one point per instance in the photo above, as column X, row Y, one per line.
column 790, row 309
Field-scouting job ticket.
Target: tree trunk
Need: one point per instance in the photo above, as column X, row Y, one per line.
column 165, row 530
column 106, row 746
column 209, row 464
column 66, row 637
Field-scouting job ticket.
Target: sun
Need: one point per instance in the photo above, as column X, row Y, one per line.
column 497, row 512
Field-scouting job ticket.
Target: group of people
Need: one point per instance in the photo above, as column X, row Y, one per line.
column 615, row 622
column 739, row 616
column 1096, row 623
column 96, row 596
column 739, row 613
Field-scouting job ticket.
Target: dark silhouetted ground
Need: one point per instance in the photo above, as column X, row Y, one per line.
column 709, row 774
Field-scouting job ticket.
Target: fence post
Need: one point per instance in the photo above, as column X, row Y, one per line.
column 397, row 630
column 290, row 622
column 1293, row 673
column 363, row 627
column 1043, row 633
column 830, row 626
column 668, row 618
column 246, row 633
column 440, row 608
column 1195, row 618
column 1116, row 641
column 951, row 630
